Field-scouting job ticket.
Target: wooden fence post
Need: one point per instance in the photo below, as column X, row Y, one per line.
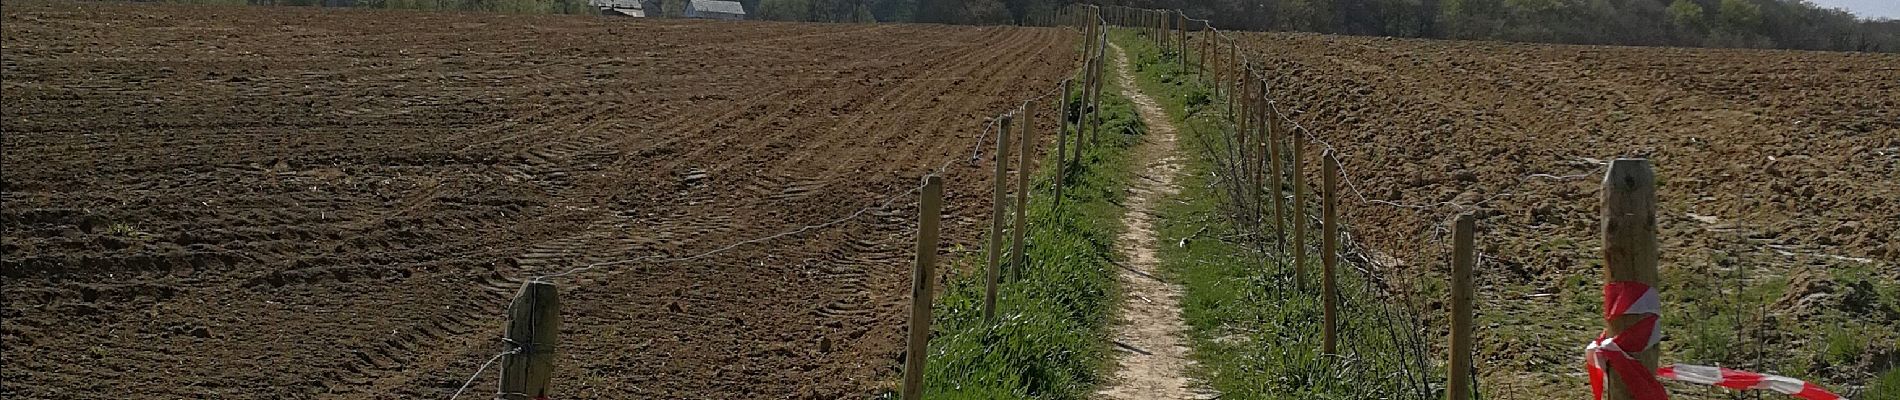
column 1022, row 189
column 1101, row 80
column 1275, row 167
column 1180, row 19
column 1329, row 250
column 1458, row 383
column 1062, row 145
column 534, row 317
column 915, row 352
column 1298, row 212
column 1629, row 247
column 1000, row 209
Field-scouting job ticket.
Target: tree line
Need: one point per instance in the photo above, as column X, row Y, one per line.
column 1786, row 24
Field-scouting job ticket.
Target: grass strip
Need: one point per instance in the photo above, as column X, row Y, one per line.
column 1049, row 339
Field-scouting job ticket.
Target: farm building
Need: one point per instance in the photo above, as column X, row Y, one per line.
column 714, row 9
column 631, row 8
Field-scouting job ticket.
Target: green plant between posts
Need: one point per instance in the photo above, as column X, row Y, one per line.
column 1254, row 334
column 1049, row 339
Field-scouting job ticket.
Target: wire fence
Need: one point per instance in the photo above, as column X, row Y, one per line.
column 1386, row 349
column 1395, row 352
column 991, row 133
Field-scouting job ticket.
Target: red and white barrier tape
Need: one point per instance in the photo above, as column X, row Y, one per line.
column 1617, row 352
column 1744, row 380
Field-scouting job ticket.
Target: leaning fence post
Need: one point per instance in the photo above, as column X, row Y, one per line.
column 1458, row 383
column 928, row 215
column 1629, row 248
column 1329, row 250
column 534, row 317
column 1000, row 209
column 1022, row 189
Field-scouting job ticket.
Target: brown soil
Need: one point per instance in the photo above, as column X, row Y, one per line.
column 1768, row 161
column 255, row 202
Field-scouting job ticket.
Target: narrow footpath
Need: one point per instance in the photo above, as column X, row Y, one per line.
column 1153, row 362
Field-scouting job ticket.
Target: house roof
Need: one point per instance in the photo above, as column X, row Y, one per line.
column 620, row 4
column 718, row 6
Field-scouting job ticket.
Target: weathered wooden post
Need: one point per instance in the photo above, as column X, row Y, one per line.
column 1062, row 145
column 916, row 351
column 1629, row 249
column 534, row 317
column 1458, row 384
column 1181, row 27
column 1233, row 88
column 1298, row 212
column 1329, row 250
column 1274, row 169
column 1101, row 76
column 1001, row 209
column 1027, row 142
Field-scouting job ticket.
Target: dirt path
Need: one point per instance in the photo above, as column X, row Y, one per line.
column 1154, row 359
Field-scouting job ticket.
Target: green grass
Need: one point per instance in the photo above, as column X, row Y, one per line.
column 1254, row 337
column 1049, row 340
column 1254, row 334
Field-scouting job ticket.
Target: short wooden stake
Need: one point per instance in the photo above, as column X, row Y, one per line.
column 922, row 274
column 534, row 317
column 1629, row 247
column 1329, row 251
column 999, row 211
column 1458, row 384
column 1027, row 141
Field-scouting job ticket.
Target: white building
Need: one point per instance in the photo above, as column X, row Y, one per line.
column 631, row 8
column 714, row 9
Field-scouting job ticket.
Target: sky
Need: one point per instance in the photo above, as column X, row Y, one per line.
column 1868, row 9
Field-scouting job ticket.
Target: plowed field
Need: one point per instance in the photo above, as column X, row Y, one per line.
column 1778, row 171
column 258, row 202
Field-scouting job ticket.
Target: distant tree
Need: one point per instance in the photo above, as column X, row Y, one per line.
column 1740, row 15
column 1687, row 14
column 784, row 10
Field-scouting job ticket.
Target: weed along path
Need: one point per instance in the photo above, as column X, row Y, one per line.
column 1153, row 363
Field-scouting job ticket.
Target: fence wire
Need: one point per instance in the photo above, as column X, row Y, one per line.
column 991, row 127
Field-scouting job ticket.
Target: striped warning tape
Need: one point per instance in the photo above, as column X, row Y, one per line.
column 1617, row 351
column 1745, row 380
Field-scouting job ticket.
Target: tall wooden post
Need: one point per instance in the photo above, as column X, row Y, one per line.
column 1101, row 74
column 1027, row 142
column 534, row 317
column 1213, row 44
column 922, row 274
column 1329, row 251
column 1629, row 247
column 1180, row 26
column 1240, row 75
column 1458, row 385
column 1274, row 169
column 1062, row 145
column 1000, row 210
column 1298, row 212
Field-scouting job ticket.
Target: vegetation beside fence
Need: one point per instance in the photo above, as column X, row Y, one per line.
column 1255, row 332
column 1049, row 338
